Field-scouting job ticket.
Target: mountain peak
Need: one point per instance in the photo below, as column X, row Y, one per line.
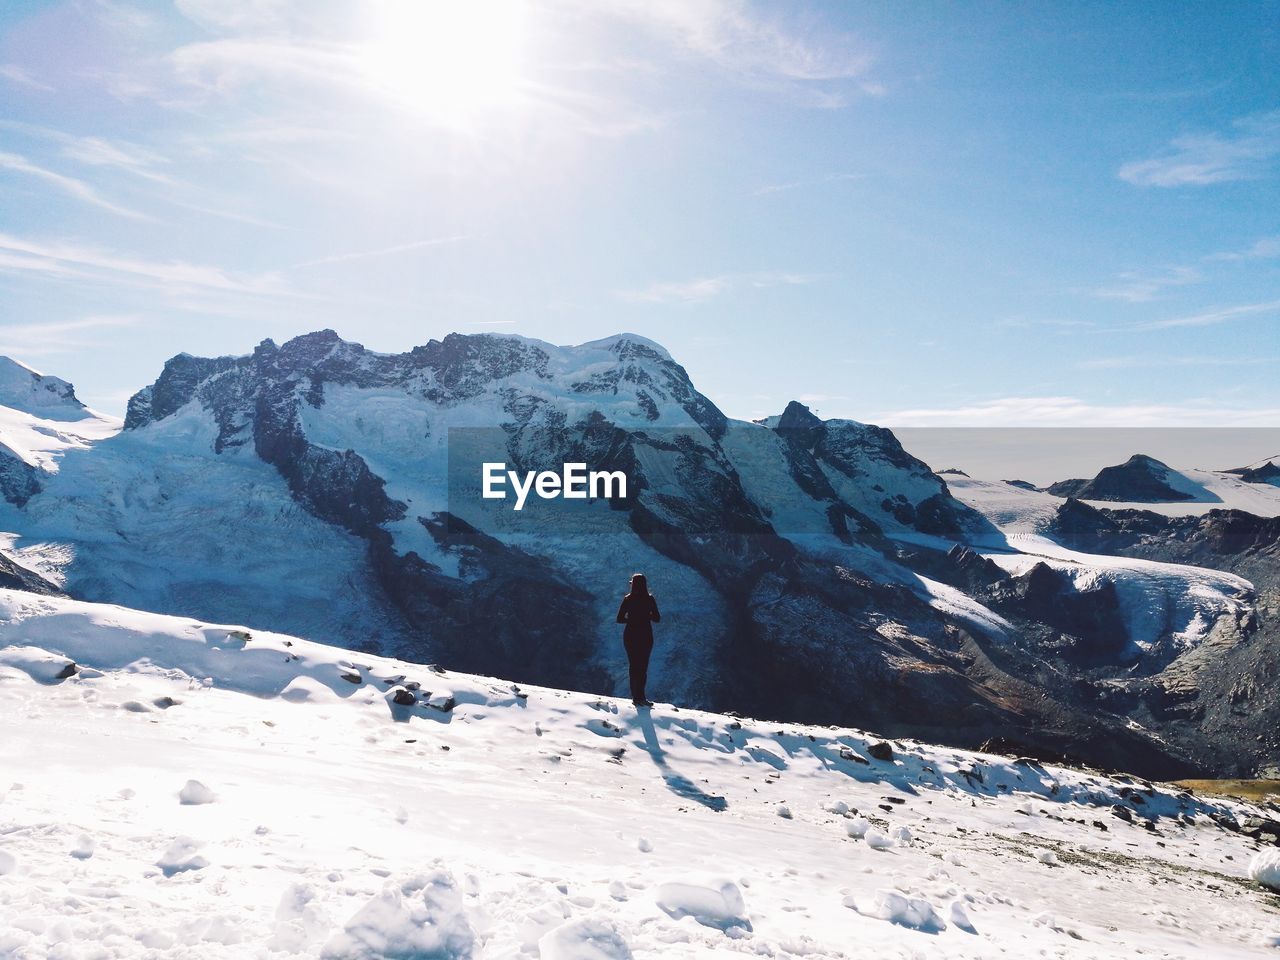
column 1140, row 479
column 626, row 345
column 22, row 388
column 797, row 416
column 1142, row 460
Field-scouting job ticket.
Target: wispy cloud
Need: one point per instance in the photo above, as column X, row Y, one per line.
column 99, row 152
column 1067, row 411
column 1141, row 362
column 221, row 65
column 1264, row 249
column 23, row 340
column 68, row 185
column 701, row 289
column 1210, row 318
column 382, row 251
column 235, row 14
column 264, row 46
column 23, row 77
column 1136, row 287
column 138, row 161
column 1049, row 323
column 799, row 184
column 760, row 49
column 1247, row 151
column 71, row 260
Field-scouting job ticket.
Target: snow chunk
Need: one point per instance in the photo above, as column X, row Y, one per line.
column 1048, row 858
column 913, row 912
column 181, row 856
column 7, row 863
column 1263, row 868
column 298, row 923
column 720, row 906
column 304, row 689
column 84, row 847
column 960, row 916
column 194, row 792
column 877, row 840
column 857, row 827
column 587, row 938
column 421, row 917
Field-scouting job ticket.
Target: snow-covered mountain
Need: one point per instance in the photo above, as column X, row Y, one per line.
column 809, row 570
column 1147, row 483
column 40, row 419
column 173, row 787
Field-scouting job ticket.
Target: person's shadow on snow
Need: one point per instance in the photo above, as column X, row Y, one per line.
column 678, row 784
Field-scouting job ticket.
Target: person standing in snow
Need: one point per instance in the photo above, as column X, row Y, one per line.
column 639, row 611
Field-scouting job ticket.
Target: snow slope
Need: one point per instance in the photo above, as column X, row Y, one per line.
column 41, row 441
column 199, row 790
column 153, row 514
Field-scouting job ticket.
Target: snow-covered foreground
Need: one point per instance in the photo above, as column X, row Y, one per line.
column 205, row 791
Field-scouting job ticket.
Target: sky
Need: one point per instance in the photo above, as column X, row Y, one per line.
column 927, row 214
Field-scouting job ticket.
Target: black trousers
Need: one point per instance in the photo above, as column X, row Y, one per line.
column 638, row 651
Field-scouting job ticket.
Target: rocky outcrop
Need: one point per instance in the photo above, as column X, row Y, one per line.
column 1268, row 472
column 1088, row 622
column 14, row 576
column 1140, row 479
column 849, row 463
column 19, row 481
column 507, row 611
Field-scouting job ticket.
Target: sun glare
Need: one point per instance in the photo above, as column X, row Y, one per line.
column 452, row 59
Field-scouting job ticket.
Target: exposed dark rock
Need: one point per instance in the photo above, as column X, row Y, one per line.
column 19, row 481
column 508, row 607
column 1140, row 479
column 1090, row 624
column 17, row 577
column 880, row 750
column 1269, row 472
column 1066, row 488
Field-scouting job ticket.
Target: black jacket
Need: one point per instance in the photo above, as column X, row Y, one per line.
column 638, row 613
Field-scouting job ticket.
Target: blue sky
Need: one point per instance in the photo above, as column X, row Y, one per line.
column 914, row 214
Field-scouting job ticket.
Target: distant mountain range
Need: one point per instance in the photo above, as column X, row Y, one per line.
column 808, row 569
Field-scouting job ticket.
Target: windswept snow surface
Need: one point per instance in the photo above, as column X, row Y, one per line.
column 358, row 807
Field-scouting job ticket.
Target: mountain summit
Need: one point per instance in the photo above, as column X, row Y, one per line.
column 1140, row 479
